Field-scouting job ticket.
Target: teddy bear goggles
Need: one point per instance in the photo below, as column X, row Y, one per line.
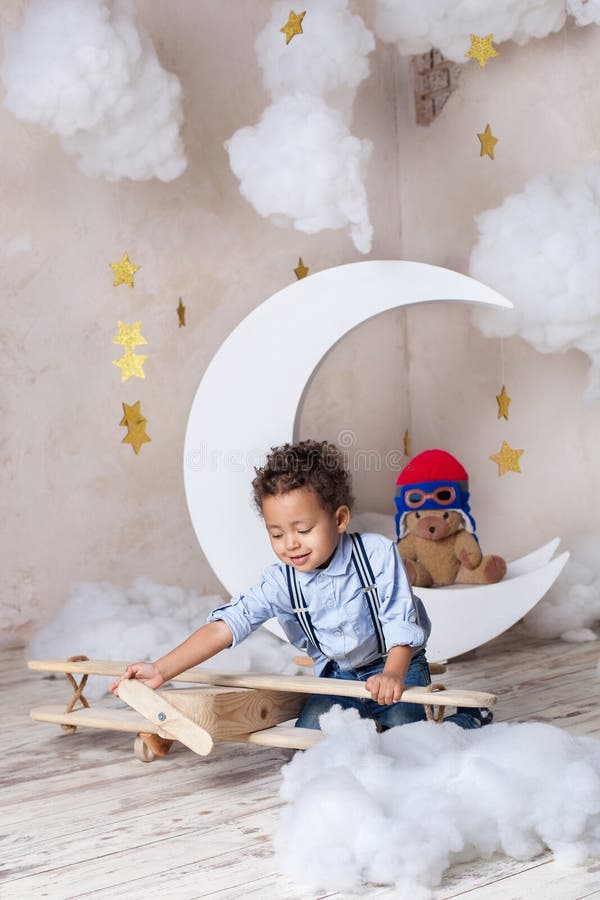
column 415, row 498
column 430, row 495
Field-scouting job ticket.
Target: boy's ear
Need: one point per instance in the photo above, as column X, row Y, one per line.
column 342, row 518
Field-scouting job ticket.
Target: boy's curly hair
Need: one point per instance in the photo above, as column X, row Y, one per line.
column 317, row 465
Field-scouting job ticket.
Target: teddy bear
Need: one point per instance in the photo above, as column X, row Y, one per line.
column 435, row 528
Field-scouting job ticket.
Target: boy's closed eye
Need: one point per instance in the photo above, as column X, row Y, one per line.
column 278, row 537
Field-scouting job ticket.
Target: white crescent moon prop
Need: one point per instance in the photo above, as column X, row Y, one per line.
column 249, row 400
column 464, row 617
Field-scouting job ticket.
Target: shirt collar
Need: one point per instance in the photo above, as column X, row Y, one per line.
column 338, row 565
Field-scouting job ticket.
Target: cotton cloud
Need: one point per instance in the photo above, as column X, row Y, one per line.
column 586, row 12
column 400, row 807
column 416, row 26
column 83, row 70
column 539, row 249
column 141, row 622
column 572, row 605
column 330, row 61
column 300, row 165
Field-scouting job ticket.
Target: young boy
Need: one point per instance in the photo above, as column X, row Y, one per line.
column 344, row 599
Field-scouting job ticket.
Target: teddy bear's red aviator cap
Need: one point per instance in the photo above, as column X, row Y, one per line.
column 432, row 465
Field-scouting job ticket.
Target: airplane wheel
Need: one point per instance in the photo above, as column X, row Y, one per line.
column 142, row 750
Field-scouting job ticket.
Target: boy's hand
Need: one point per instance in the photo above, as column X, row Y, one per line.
column 146, row 672
column 384, row 688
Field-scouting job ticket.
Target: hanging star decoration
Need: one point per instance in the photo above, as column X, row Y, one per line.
column 407, row 443
column 482, row 49
column 488, row 142
column 133, row 414
column 293, row 26
column 507, row 459
column 130, row 364
column 301, row 271
column 181, row 313
column 129, row 336
column 124, row 271
column 135, row 423
column 503, row 401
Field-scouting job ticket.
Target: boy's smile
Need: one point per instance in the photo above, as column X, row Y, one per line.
column 303, row 533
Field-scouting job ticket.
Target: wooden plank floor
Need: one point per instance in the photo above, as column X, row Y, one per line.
column 81, row 817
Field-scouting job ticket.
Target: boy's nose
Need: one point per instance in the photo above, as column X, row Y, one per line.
column 291, row 541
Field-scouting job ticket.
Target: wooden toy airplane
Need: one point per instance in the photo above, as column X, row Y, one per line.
column 247, row 707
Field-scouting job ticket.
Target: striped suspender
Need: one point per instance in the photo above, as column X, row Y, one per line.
column 367, row 580
column 300, row 609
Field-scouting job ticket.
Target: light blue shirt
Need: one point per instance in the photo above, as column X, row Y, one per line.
column 337, row 605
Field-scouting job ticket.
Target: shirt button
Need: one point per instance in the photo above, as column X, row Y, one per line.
column 330, row 602
column 338, row 633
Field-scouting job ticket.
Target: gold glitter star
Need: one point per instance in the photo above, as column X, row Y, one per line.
column 136, row 436
column 302, row 270
column 293, row 25
column 488, row 142
column 136, row 426
column 133, row 414
column 130, row 364
column 482, row 49
column 129, row 335
column 406, row 443
column 507, row 459
column 503, row 402
column 181, row 313
column 124, row 271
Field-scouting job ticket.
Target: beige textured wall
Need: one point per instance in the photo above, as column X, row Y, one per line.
column 542, row 102
column 79, row 505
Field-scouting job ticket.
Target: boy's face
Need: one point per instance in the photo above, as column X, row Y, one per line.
column 302, row 532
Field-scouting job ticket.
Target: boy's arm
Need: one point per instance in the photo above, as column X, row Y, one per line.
column 388, row 687
column 399, row 618
column 198, row 647
column 403, row 618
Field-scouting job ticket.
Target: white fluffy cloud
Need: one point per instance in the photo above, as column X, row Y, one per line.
column 400, row 807
column 330, row 58
column 144, row 621
column 540, row 249
column 416, row 26
column 300, row 165
column 586, row 12
column 83, row 69
column 571, row 608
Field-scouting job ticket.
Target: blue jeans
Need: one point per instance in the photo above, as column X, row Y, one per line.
column 388, row 715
